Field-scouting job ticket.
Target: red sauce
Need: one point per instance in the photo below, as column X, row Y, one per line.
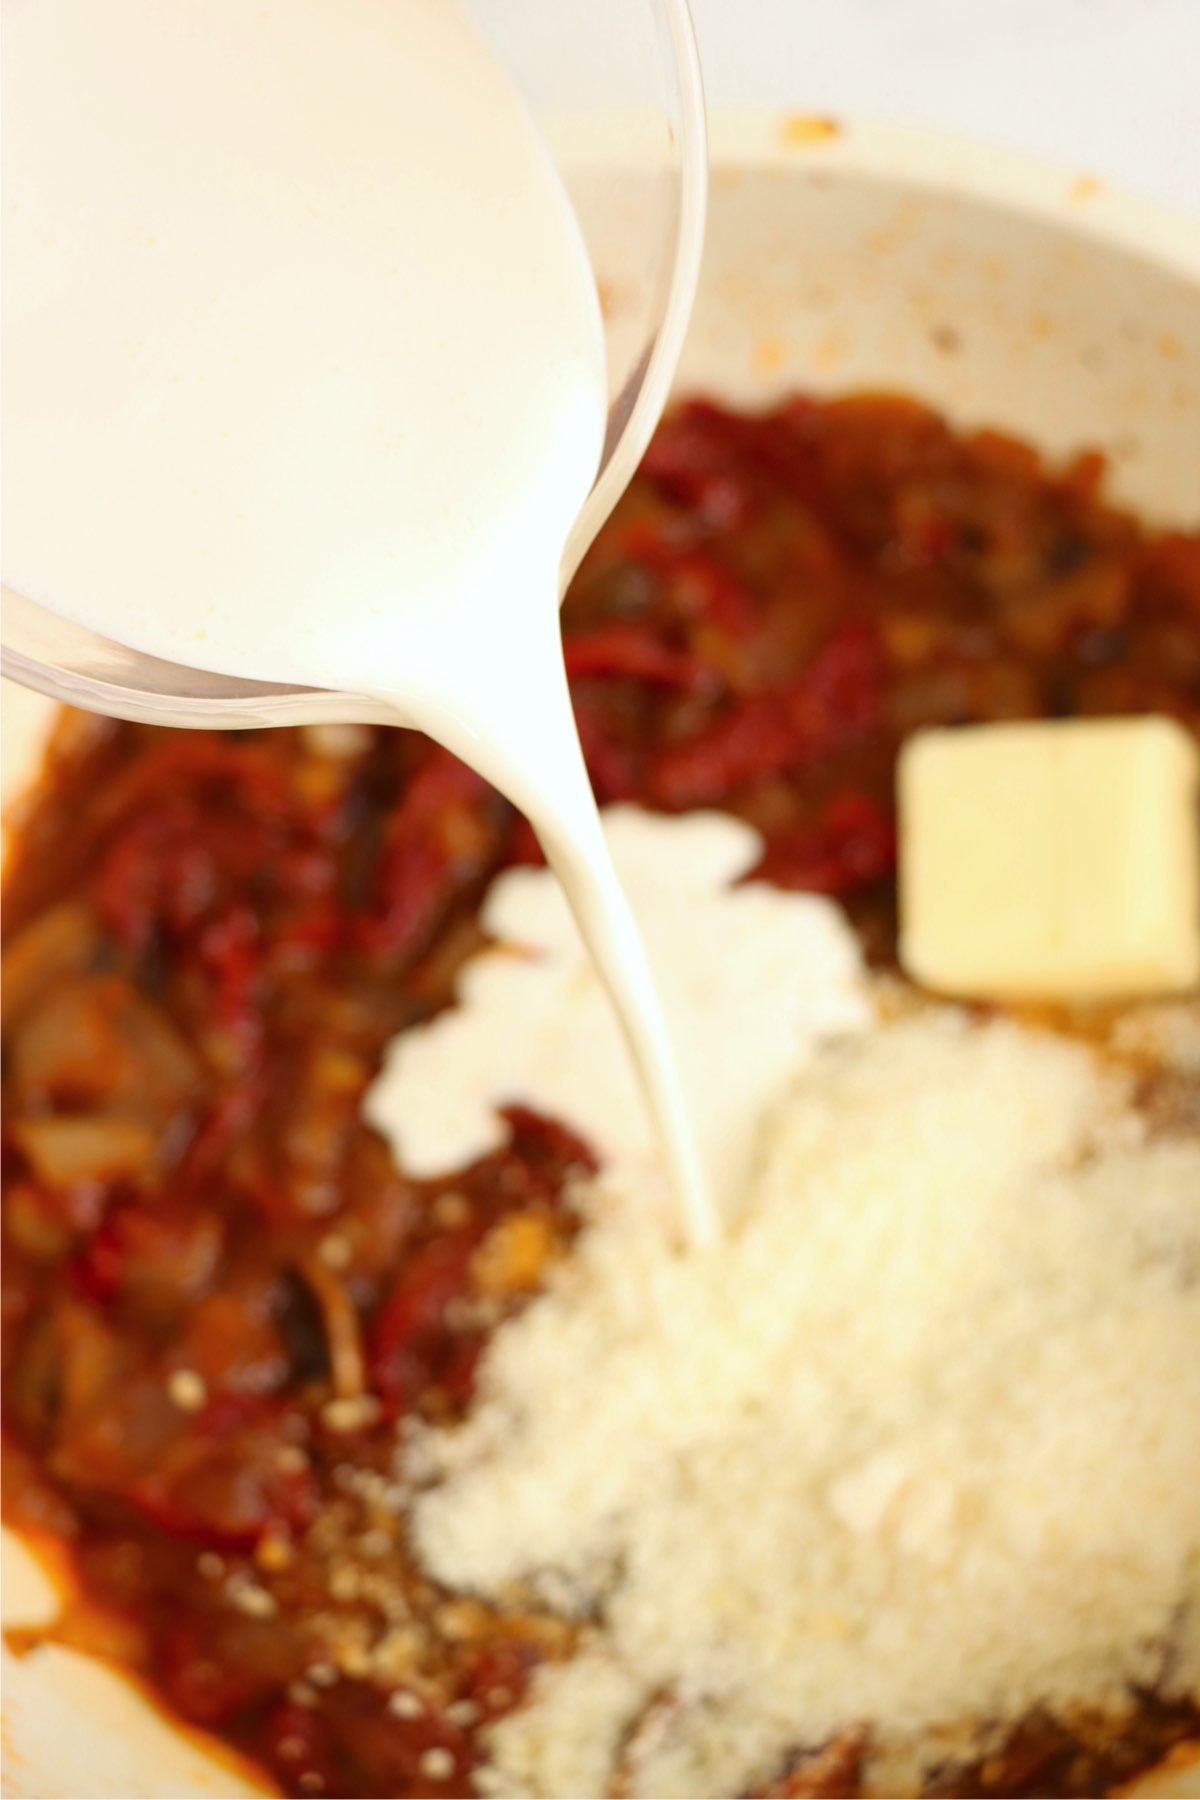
column 220, row 1296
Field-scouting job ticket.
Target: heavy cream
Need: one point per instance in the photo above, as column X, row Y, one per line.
column 788, row 975
column 304, row 381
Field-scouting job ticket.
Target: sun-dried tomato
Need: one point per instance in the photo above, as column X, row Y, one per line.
column 440, row 838
column 415, row 1341
column 849, row 845
column 689, row 461
column 201, row 1679
column 633, row 652
column 412, row 1340
column 836, row 700
column 155, row 1256
column 615, row 768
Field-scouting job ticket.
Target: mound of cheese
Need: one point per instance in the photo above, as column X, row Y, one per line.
column 917, row 1445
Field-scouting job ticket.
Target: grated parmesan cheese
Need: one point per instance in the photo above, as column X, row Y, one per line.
column 918, row 1443
column 915, row 1448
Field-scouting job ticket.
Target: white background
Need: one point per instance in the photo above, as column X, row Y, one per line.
column 1110, row 87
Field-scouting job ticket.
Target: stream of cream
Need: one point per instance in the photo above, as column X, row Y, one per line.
column 304, row 381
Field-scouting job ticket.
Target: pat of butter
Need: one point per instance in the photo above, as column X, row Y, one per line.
column 1056, row 860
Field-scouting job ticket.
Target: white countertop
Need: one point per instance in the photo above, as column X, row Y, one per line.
column 1108, row 87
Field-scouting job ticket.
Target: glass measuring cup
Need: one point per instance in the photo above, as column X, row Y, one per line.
column 618, row 93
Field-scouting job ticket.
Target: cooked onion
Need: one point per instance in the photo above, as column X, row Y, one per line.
column 65, row 1151
column 342, row 1336
column 63, row 941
